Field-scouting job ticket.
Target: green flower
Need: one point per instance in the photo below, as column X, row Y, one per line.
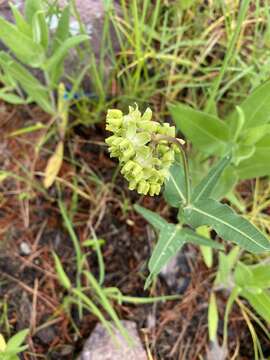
column 144, row 161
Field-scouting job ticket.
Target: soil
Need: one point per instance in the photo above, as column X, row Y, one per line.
column 28, row 283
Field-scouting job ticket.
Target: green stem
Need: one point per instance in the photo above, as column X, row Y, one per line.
column 177, row 142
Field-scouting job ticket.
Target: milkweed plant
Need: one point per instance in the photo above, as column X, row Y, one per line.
column 152, row 158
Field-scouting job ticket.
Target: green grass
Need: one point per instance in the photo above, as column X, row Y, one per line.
column 204, row 55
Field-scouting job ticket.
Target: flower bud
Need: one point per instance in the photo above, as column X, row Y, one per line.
column 147, row 116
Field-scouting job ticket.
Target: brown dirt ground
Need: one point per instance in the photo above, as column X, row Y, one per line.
column 28, row 284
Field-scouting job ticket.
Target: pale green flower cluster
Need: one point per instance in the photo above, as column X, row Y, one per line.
column 144, row 161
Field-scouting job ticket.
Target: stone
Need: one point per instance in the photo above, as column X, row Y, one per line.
column 25, row 249
column 101, row 346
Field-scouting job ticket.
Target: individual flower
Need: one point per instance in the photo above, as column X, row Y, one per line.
column 144, row 160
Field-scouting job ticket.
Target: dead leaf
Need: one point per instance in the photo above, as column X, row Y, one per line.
column 54, row 165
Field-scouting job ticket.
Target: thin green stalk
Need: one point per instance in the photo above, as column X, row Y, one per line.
column 101, row 265
column 242, row 13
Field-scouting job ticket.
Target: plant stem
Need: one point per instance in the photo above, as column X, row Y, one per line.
column 179, row 143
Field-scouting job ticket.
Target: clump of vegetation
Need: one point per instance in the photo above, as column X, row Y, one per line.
column 75, row 247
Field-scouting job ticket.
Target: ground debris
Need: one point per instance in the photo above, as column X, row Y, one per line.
column 101, row 346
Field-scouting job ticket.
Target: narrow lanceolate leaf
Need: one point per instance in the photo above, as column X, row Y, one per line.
column 25, row 49
column 196, row 239
column 229, row 225
column 40, row 30
column 20, row 21
column 170, row 241
column 27, row 81
column 62, row 276
column 53, row 166
column 154, row 219
column 62, row 31
column 206, row 251
column 204, row 189
column 30, row 8
column 175, row 186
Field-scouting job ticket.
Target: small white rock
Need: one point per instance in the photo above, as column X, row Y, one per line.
column 25, row 248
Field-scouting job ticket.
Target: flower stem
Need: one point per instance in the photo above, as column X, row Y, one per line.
column 179, row 143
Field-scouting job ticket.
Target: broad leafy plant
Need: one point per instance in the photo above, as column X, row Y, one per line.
column 245, row 132
column 136, row 142
column 33, row 47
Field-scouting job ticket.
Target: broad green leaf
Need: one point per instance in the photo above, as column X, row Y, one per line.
column 256, row 166
column 207, row 252
column 261, row 275
column 21, row 23
column 212, row 317
column 62, row 31
column 252, row 135
column 206, row 132
column 31, row 7
column 243, row 276
column 25, row 49
column 170, row 241
column 256, row 107
column 229, row 225
column 205, row 188
column 154, row 219
column 175, row 187
column 264, row 143
column 260, row 302
column 27, row 81
column 40, row 30
column 226, row 183
column 194, row 238
column 62, row 276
